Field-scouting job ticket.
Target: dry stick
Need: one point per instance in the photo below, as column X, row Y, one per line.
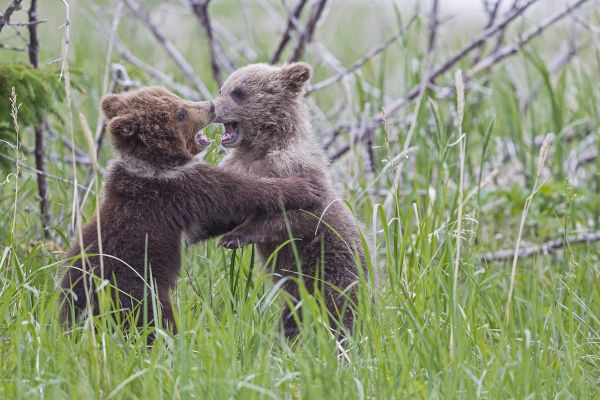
column 433, row 25
column 285, row 38
column 362, row 61
column 307, row 34
column 38, row 172
column 456, row 57
column 11, row 48
column 157, row 74
column 169, row 47
column 165, row 79
column 40, row 149
column 492, row 12
column 498, row 56
column 200, row 9
column 28, row 23
column 523, row 39
column 549, row 247
column 540, row 166
column 14, row 5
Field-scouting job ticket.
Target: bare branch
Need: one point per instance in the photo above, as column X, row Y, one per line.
column 37, row 171
column 200, row 9
column 491, row 8
column 489, row 61
column 169, row 47
column 14, row 5
column 21, row 24
column 548, row 247
column 285, row 38
column 11, row 48
column 433, row 25
column 531, row 33
column 456, row 57
column 307, row 34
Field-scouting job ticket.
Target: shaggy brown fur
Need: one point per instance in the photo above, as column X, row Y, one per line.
column 265, row 122
column 156, row 194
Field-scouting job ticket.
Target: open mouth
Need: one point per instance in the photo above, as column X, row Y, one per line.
column 202, row 140
column 231, row 134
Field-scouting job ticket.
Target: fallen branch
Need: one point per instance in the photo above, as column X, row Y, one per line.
column 546, row 248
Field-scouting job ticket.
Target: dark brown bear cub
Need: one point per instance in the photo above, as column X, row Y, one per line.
column 155, row 194
column 266, row 123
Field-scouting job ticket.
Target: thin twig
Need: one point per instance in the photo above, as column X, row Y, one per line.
column 307, row 34
column 495, row 58
column 491, row 9
column 433, row 25
column 14, row 5
column 11, row 48
column 285, row 38
column 531, row 33
column 169, row 47
column 128, row 56
column 459, row 55
column 200, row 9
column 29, row 23
column 38, row 172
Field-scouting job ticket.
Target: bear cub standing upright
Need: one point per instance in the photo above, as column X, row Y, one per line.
column 155, row 194
column 266, row 124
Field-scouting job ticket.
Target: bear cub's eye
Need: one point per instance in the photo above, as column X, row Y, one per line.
column 237, row 92
column 181, row 114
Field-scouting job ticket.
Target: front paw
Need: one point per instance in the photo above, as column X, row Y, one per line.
column 309, row 194
column 234, row 240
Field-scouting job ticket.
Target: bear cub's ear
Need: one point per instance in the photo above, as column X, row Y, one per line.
column 111, row 105
column 296, row 75
column 124, row 126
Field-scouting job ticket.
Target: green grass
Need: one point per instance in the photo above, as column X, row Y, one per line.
column 230, row 344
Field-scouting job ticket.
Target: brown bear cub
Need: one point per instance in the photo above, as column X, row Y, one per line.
column 157, row 193
column 266, row 124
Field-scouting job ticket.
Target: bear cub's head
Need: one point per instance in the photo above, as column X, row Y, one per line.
column 154, row 125
column 261, row 103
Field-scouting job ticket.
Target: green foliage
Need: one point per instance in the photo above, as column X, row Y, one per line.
column 39, row 95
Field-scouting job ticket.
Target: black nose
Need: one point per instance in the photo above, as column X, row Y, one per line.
column 212, row 106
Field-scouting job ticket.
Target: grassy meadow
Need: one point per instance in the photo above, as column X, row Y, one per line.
column 444, row 188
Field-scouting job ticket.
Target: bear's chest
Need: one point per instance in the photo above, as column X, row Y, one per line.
column 271, row 166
